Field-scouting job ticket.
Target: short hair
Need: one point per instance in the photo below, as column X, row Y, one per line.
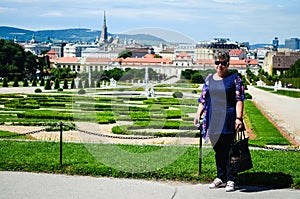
column 223, row 55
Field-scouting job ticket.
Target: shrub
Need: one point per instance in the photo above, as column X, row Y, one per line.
column 16, row 82
column 81, row 92
column 60, row 89
column 45, row 114
column 177, row 94
column 48, row 85
column 42, row 83
column 5, row 82
column 248, row 96
column 120, row 130
column 25, row 83
column 86, row 84
column 56, row 83
column 98, row 84
column 92, row 84
column 80, row 85
column 73, row 84
column 38, row 90
column 65, row 84
column 34, row 82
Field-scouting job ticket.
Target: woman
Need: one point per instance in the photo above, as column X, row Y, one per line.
column 221, row 103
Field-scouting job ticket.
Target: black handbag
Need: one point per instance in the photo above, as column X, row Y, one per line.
column 239, row 154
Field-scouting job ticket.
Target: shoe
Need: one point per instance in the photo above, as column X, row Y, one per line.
column 229, row 186
column 217, row 183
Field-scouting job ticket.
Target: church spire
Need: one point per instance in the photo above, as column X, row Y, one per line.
column 103, row 37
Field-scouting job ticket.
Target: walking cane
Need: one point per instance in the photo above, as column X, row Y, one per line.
column 200, row 148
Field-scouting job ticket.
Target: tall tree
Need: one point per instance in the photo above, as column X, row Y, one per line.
column 14, row 61
column 124, row 54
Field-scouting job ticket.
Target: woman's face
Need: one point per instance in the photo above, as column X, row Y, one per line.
column 221, row 67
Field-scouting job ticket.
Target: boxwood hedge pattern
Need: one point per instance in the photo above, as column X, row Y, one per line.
column 154, row 113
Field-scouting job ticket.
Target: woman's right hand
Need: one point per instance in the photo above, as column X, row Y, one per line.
column 196, row 122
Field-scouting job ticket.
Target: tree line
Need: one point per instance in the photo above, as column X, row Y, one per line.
column 16, row 62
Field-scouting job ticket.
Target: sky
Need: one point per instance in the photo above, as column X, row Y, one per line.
column 254, row 21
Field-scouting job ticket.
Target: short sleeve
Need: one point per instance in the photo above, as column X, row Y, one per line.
column 239, row 89
column 202, row 99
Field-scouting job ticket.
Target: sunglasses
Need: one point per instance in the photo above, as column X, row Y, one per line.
column 223, row 63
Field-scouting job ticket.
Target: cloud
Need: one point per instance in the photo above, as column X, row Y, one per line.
column 230, row 1
column 5, row 9
column 53, row 14
column 22, row 1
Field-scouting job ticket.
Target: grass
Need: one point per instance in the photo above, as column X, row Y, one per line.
column 11, row 135
column 80, row 159
column 266, row 133
column 289, row 93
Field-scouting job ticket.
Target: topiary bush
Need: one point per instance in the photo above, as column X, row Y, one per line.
column 56, row 83
column 86, row 84
column 65, row 84
column 5, row 82
column 177, row 94
column 48, row 85
column 16, row 82
column 81, row 92
column 34, row 83
column 80, row 85
column 25, row 83
column 42, row 83
column 73, row 84
column 38, row 90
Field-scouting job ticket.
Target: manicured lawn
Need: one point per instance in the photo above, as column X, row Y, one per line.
column 279, row 169
column 266, row 133
column 271, row 168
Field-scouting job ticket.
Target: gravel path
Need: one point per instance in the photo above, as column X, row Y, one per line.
column 76, row 136
column 283, row 111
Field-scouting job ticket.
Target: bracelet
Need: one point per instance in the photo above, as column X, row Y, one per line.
column 240, row 118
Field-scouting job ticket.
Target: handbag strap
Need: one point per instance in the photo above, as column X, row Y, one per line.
column 239, row 134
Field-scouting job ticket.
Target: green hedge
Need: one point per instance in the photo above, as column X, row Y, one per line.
column 45, row 114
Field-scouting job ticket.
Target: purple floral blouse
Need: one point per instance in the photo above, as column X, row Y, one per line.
column 233, row 86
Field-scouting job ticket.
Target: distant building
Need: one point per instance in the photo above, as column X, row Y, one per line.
column 103, row 36
column 186, row 48
column 67, row 62
column 237, row 54
column 183, row 59
column 75, row 50
column 260, row 55
column 242, row 65
column 58, row 48
column 206, row 50
column 277, row 62
column 102, row 52
column 168, row 53
column 52, row 55
column 35, row 47
column 282, row 61
column 293, row 43
column 139, row 51
column 275, row 42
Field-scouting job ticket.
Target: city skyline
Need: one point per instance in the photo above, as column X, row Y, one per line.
column 239, row 20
